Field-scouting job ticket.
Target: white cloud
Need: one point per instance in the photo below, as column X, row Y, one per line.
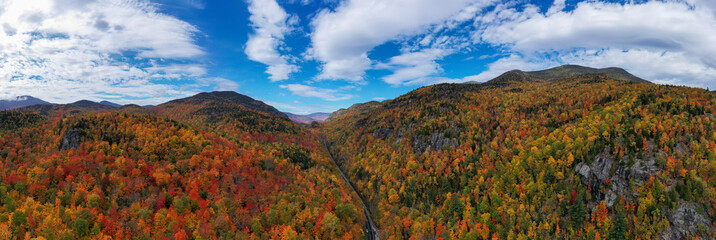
column 63, row 51
column 219, row 84
column 310, row 91
column 270, row 23
column 414, row 68
column 342, row 38
column 556, row 7
column 662, row 41
column 508, row 63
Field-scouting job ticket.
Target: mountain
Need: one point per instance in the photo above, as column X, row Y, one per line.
column 203, row 167
column 111, row 104
column 355, row 109
column 563, row 72
column 227, row 110
column 82, row 106
column 222, row 97
column 21, row 101
column 308, row 118
column 554, row 157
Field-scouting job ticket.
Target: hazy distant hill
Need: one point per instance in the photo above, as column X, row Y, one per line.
column 308, row 118
column 21, row 101
column 82, row 106
column 111, row 104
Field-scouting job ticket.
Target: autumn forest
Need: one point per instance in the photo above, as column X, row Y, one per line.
column 523, row 156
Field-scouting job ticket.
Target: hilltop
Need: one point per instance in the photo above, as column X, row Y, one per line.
column 564, row 72
column 227, row 97
column 82, row 106
column 21, row 101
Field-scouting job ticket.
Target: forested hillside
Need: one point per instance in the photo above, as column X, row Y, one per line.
column 583, row 157
column 188, row 170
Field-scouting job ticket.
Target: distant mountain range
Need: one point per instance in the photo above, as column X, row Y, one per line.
column 561, row 72
column 308, row 118
column 82, row 106
column 21, row 101
column 108, row 103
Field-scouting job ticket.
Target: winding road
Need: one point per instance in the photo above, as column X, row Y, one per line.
column 370, row 229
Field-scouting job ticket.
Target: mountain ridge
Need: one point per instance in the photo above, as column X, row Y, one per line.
column 111, row 104
column 81, row 106
column 231, row 97
column 563, row 72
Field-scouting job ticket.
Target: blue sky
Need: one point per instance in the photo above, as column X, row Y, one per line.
column 306, row 56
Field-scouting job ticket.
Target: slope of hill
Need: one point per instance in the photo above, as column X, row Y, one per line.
column 354, row 110
column 573, row 158
column 82, row 106
column 308, row 118
column 12, row 120
column 21, row 101
column 565, row 71
column 201, row 169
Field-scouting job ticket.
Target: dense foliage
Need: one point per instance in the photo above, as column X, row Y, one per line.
column 580, row 158
column 243, row 174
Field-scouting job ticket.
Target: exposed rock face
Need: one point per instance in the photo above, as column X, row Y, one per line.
column 605, row 167
column 71, row 139
column 709, row 116
column 435, row 141
column 383, row 133
column 688, row 220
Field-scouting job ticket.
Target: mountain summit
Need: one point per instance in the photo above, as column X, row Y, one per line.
column 566, row 71
column 21, row 101
column 229, row 97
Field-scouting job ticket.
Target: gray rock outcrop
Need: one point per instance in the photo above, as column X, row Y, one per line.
column 688, row 220
column 605, row 167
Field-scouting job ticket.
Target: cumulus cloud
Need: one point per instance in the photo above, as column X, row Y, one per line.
column 414, row 68
column 310, row 91
column 663, row 41
column 511, row 62
column 270, row 24
column 219, row 84
column 342, row 38
column 63, row 51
